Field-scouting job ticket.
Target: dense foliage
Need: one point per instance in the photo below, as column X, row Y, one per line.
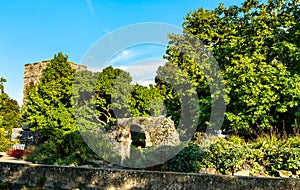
column 5, row 142
column 48, row 107
column 117, row 98
column 10, row 114
column 266, row 156
column 257, row 48
column 10, row 117
column 180, row 97
column 2, row 81
column 112, row 94
column 48, row 110
column 146, row 101
column 97, row 99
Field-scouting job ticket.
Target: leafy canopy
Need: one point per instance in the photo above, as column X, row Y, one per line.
column 10, row 117
column 48, row 108
column 256, row 46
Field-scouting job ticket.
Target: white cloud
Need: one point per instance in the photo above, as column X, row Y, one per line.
column 95, row 69
column 89, row 3
column 123, row 56
column 144, row 71
column 145, row 82
column 122, row 67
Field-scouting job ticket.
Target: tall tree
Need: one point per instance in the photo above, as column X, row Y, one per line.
column 180, row 98
column 48, row 108
column 257, row 48
column 117, row 98
column 112, row 94
column 10, row 114
column 146, row 101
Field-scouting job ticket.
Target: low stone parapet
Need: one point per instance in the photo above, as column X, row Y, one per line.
column 30, row 176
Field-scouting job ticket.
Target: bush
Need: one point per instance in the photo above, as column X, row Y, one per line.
column 187, row 160
column 264, row 156
column 72, row 150
column 5, row 142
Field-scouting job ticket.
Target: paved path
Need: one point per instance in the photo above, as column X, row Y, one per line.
column 6, row 158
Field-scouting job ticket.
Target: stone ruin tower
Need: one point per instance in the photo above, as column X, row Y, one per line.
column 33, row 73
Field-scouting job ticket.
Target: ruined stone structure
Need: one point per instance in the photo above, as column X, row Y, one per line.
column 143, row 132
column 158, row 130
column 33, row 72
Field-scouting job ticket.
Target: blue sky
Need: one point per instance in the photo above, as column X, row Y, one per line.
column 35, row 30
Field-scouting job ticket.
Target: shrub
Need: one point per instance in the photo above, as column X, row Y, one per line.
column 187, row 160
column 5, row 142
column 263, row 156
column 72, row 150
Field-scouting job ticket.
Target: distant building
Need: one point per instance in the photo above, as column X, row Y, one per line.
column 33, row 73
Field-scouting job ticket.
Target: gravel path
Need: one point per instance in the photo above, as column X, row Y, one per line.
column 6, row 158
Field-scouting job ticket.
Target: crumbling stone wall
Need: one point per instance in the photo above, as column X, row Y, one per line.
column 28, row 176
column 158, row 131
column 33, row 72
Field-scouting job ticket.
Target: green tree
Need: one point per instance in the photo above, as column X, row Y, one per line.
column 112, row 94
column 181, row 99
column 48, row 110
column 146, row 101
column 48, row 107
column 10, row 114
column 87, row 117
column 117, row 98
column 257, row 48
column 10, row 117
column 171, row 97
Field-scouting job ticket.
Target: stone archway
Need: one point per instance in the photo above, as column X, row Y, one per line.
column 158, row 130
column 142, row 132
column 138, row 137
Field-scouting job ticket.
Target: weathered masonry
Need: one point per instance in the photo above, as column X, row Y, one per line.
column 33, row 72
column 27, row 176
column 142, row 132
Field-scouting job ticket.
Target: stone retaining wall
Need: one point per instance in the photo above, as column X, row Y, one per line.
column 30, row 176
